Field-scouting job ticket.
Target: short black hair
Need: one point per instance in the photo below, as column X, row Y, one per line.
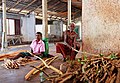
column 39, row 33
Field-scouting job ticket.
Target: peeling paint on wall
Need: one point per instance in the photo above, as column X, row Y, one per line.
column 101, row 26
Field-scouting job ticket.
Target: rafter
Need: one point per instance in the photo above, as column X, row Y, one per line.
column 72, row 0
column 78, row 12
column 0, row 1
column 54, row 14
column 51, row 18
column 26, row 6
column 38, row 7
column 75, row 3
column 60, row 7
column 53, row 5
column 35, row 9
column 14, row 5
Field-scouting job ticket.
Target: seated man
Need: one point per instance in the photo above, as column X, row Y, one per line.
column 70, row 39
column 37, row 47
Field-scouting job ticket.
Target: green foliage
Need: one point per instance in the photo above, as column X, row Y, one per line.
column 113, row 56
column 101, row 55
column 84, row 58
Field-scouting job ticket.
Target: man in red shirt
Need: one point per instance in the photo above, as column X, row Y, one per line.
column 70, row 38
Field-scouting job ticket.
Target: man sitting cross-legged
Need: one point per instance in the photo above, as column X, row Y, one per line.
column 37, row 48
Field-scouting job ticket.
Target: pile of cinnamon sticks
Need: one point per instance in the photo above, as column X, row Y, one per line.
column 95, row 69
column 92, row 70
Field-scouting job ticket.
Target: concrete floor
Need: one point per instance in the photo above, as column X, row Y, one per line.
column 17, row 75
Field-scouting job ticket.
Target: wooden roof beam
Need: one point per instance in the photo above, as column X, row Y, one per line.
column 53, row 5
column 14, row 5
column 60, row 7
column 0, row 1
column 53, row 18
column 35, row 9
column 56, row 14
column 38, row 7
column 27, row 6
column 78, row 12
column 72, row 0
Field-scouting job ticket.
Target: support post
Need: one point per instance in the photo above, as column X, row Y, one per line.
column 45, row 20
column 4, row 33
column 69, row 12
column 45, row 26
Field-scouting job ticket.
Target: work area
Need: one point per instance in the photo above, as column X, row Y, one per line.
column 59, row 41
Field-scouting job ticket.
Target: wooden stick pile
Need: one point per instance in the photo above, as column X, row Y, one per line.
column 10, row 64
column 40, row 67
column 94, row 70
column 15, row 64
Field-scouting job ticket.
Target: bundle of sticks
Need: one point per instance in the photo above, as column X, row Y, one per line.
column 15, row 64
column 92, row 70
column 10, row 64
column 95, row 69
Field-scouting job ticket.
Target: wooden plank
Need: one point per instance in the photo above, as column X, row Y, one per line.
column 57, row 14
column 38, row 7
column 54, row 5
column 14, row 5
column 1, row 2
column 26, row 6
column 35, row 9
column 72, row 0
column 60, row 7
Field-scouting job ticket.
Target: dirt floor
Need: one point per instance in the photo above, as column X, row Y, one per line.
column 17, row 75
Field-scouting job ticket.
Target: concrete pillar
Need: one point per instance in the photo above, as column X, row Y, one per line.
column 69, row 12
column 57, row 28
column 28, row 27
column 101, row 26
column 45, row 20
column 4, row 33
column 61, row 27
